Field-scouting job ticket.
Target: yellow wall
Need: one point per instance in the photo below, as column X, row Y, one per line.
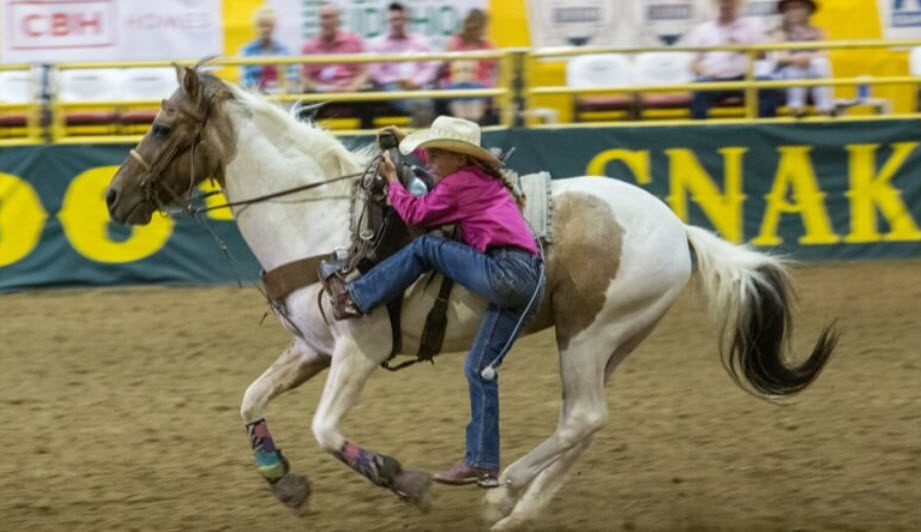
column 841, row 19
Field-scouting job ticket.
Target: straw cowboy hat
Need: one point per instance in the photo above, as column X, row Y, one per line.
column 452, row 134
column 784, row 4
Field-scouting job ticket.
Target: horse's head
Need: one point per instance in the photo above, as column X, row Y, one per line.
column 183, row 147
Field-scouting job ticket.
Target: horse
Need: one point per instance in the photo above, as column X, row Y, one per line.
column 618, row 260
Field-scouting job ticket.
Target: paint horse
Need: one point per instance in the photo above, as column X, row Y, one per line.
column 619, row 259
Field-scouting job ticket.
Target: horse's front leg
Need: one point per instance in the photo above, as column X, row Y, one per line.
column 350, row 369
column 295, row 366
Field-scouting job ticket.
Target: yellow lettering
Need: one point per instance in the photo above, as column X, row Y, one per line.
column 635, row 160
column 870, row 192
column 22, row 218
column 796, row 178
column 86, row 222
column 217, row 199
column 723, row 210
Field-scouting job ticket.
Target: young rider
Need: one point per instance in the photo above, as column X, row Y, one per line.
column 496, row 258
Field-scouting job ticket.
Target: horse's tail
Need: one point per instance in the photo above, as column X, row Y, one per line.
column 749, row 293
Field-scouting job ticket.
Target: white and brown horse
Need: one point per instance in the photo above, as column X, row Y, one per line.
column 619, row 260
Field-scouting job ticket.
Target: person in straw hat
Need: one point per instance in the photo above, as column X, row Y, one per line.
column 496, row 257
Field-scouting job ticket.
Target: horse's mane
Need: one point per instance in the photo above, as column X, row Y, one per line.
column 311, row 139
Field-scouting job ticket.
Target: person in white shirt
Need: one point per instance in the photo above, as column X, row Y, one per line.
column 728, row 28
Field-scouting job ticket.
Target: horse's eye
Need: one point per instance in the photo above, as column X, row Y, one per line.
column 160, row 130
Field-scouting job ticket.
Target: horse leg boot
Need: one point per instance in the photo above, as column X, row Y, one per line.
column 293, row 367
column 349, row 371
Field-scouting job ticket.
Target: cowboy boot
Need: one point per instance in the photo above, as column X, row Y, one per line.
column 334, row 282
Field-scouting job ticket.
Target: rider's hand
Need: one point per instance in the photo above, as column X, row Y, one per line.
column 387, row 168
column 397, row 132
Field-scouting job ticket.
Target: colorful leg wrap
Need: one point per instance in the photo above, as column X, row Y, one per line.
column 271, row 463
column 378, row 468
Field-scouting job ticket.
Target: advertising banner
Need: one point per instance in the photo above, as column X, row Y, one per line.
column 628, row 23
column 823, row 191
column 901, row 19
column 50, row 31
column 436, row 19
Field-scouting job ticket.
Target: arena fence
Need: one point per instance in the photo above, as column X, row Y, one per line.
column 519, row 98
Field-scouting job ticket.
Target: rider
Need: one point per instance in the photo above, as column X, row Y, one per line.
column 496, row 258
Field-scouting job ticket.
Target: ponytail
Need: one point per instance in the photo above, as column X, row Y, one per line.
column 508, row 177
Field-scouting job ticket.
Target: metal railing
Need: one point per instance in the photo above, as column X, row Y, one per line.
column 30, row 132
column 514, row 93
column 748, row 85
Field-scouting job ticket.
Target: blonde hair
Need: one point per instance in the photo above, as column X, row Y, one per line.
column 265, row 12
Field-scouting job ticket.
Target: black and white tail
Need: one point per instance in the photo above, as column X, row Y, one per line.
column 749, row 294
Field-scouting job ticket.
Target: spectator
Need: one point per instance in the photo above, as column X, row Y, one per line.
column 728, row 28
column 476, row 74
column 265, row 77
column 408, row 75
column 803, row 64
column 329, row 77
column 341, row 77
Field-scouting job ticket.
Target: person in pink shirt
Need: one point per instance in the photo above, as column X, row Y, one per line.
column 495, row 257
column 329, row 77
column 404, row 75
column 470, row 74
column 336, row 77
column 728, row 28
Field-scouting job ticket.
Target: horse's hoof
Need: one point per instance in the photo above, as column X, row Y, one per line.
column 293, row 491
column 497, row 504
column 414, row 487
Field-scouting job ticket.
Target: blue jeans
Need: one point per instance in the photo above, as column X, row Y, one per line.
column 701, row 101
column 409, row 106
column 511, row 281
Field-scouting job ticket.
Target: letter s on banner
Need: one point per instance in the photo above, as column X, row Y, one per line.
column 22, row 218
column 85, row 220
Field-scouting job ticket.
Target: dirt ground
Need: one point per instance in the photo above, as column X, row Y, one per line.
column 121, row 409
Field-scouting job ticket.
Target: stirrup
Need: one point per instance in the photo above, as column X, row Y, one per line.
column 334, row 283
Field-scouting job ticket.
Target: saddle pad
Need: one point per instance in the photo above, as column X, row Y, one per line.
column 538, row 208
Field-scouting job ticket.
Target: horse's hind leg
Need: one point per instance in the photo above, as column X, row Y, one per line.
column 295, row 366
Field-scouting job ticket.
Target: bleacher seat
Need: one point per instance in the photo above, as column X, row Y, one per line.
column 16, row 86
column 145, row 84
column 89, row 85
column 664, row 68
column 600, row 70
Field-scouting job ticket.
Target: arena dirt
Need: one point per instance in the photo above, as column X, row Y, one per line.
column 121, row 407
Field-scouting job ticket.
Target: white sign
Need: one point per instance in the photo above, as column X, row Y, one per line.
column 628, row 23
column 436, row 19
column 901, row 18
column 51, row 31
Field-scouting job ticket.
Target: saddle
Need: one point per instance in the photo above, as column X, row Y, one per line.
column 377, row 233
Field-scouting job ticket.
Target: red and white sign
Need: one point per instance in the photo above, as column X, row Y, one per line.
column 109, row 30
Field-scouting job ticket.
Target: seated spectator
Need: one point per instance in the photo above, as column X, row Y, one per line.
column 331, row 77
column 476, row 74
column 407, row 75
column 803, row 64
column 265, row 77
column 728, row 28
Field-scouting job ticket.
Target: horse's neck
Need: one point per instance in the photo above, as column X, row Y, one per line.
column 291, row 227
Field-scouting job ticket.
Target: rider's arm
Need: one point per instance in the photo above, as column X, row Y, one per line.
column 438, row 207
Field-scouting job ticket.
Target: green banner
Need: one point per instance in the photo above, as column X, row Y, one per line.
column 829, row 190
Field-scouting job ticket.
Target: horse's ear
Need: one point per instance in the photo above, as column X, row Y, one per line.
column 188, row 80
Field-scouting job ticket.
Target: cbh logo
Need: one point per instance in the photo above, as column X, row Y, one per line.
column 46, row 25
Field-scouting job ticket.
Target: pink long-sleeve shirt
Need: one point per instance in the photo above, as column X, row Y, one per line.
column 479, row 204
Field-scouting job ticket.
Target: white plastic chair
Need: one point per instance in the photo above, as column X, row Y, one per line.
column 663, row 68
column 914, row 61
column 148, row 83
column 599, row 70
column 17, row 86
column 88, row 85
